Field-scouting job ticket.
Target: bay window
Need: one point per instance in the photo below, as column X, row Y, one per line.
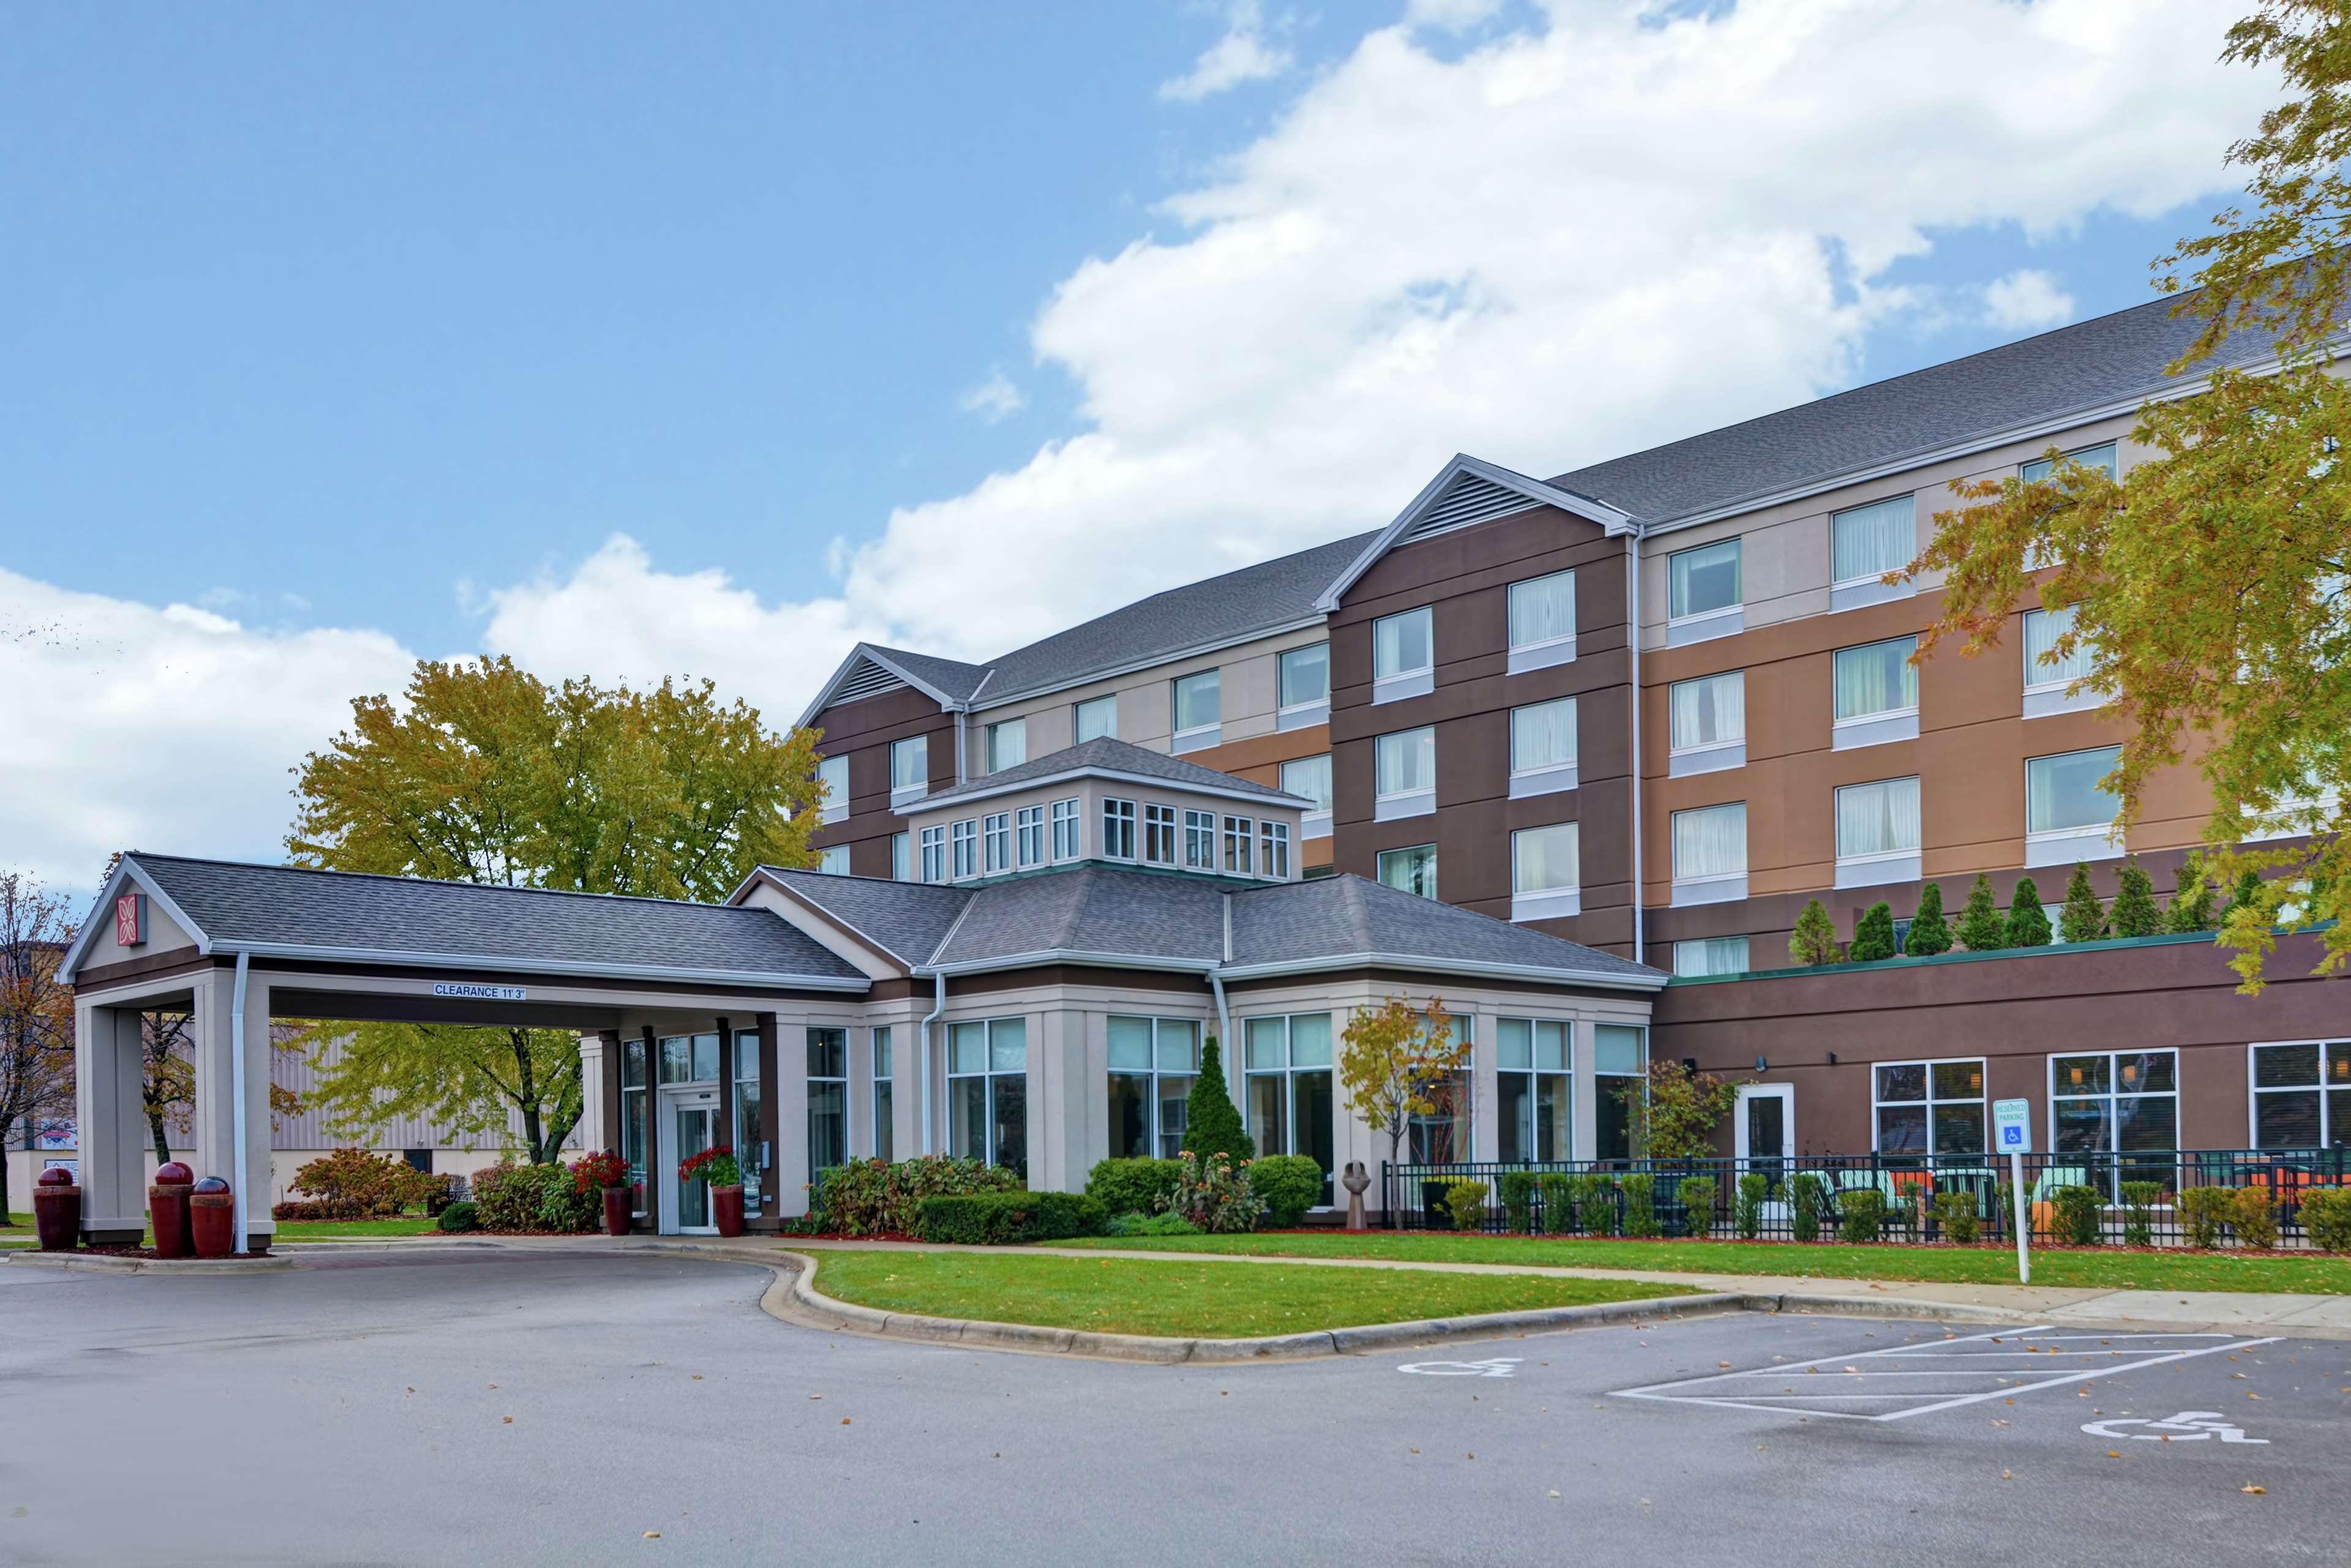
column 1029, row 828
column 1199, row 840
column 963, row 842
column 996, row 835
column 1273, row 850
column 1118, row 830
column 1067, row 844
column 1159, row 834
column 934, row 855
column 1239, row 835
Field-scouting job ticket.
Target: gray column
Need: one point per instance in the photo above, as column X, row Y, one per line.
column 111, row 1123
column 792, row 1174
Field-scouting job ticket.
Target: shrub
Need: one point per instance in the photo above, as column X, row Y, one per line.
column 1288, row 1185
column 2134, row 913
column 1981, row 930
column 1807, row 1201
column 1930, row 932
column 1747, row 1210
column 1152, row 1225
column 1132, row 1187
column 1873, row 934
column 1557, row 1191
column 1211, row 1125
column 2028, row 923
column 2327, row 1217
column 2083, row 918
column 2254, row 1216
column 1215, row 1196
column 1861, row 1212
column 1697, row 1194
column 1640, row 1204
column 353, row 1184
column 2203, row 1210
column 509, row 1196
column 1465, row 1200
column 1913, row 1200
column 871, row 1198
column 2139, row 1198
column 308, row 1209
column 2080, row 1213
column 1596, row 1204
column 460, row 1216
column 1518, row 1193
column 1957, row 1213
column 2191, row 902
column 594, row 1173
column 1813, row 941
column 1008, row 1219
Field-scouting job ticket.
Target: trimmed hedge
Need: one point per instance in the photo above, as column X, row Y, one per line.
column 2326, row 1217
column 1133, row 1187
column 1288, row 1185
column 460, row 1216
column 867, row 1197
column 1009, row 1218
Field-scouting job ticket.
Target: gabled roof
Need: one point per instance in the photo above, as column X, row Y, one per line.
column 907, row 920
column 1466, row 492
column 278, row 911
column 1105, row 757
column 871, row 670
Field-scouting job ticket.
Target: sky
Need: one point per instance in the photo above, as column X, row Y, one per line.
column 705, row 342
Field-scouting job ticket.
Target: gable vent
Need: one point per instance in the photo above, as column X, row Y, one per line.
column 867, row 680
column 1468, row 499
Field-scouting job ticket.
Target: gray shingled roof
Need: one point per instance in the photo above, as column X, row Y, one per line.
column 236, row 903
column 1112, row 755
column 1093, row 909
column 957, row 679
column 907, row 920
column 1339, row 917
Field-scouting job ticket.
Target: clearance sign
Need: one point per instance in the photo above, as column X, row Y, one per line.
column 477, row 993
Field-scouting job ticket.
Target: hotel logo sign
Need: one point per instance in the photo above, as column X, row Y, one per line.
column 464, row 991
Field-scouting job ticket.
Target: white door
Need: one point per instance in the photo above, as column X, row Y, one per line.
column 1766, row 1126
column 689, row 1125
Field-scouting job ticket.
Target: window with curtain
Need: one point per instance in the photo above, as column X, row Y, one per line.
column 1700, row 580
column 1306, row 675
column 1096, row 719
column 2042, row 628
column 2063, row 793
column 988, row 1093
column 1869, row 541
column 2100, row 459
column 1710, row 842
column 1309, row 777
column 1876, row 678
column 1410, row 870
column 901, row 859
column 1710, row 955
column 1534, row 1078
column 833, row 861
column 1007, row 744
column 1544, row 860
column 1543, row 734
column 833, row 774
column 1879, row 818
column 1402, row 643
column 1153, row 1064
column 1709, row 711
column 1543, row 609
column 1407, row 761
column 1198, row 700
column 910, row 764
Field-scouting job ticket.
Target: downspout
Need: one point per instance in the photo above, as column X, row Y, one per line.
column 929, row 1018
column 1224, row 1019
column 961, row 716
column 1633, row 640
column 236, row 1091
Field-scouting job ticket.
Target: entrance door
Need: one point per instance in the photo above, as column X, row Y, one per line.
column 1766, row 1129
column 689, row 1125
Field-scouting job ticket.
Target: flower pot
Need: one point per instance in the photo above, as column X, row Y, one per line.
column 167, row 1210
column 616, row 1211
column 56, row 1210
column 212, row 1218
column 727, row 1207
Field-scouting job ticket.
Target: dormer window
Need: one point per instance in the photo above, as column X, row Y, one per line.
column 1118, row 830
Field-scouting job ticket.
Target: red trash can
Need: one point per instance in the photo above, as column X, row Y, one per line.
column 57, row 1210
column 212, row 1218
column 167, row 1207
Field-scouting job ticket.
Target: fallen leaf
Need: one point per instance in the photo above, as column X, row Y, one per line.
column 1717, row 1364
column 2114, row 1453
column 844, row 1420
column 509, row 1420
column 1554, row 1494
column 652, row 1535
column 697, row 1377
column 2005, row 1476
column 2257, row 1491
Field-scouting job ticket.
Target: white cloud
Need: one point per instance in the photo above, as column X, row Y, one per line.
column 1450, row 16
column 2027, row 299
column 1242, row 55
column 994, row 399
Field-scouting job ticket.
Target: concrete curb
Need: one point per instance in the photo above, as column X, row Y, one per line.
column 102, row 1264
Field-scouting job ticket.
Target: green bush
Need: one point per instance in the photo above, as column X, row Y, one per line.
column 2005, row 1203
column 1861, row 1213
column 1288, row 1185
column 546, row 1198
column 2139, row 1198
column 1214, row 1193
column 1133, row 1187
column 1596, row 1204
column 1640, row 1204
column 1008, row 1219
column 1929, row 932
column 1873, row 936
column 1746, row 1211
column 1957, row 1213
column 2080, row 1213
column 872, row 1197
column 2028, row 923
column 1518, row 1193
column 2327, row 1217
column 1696, row 1195
column 353, row 1184
column 1808, row 1200
column 1211, row 1123
column 1152, row 1225
column 2254, row 1216
column 459, row 1217
column 2203, row 1210
column 1558, row 1189
column 1465, row 1200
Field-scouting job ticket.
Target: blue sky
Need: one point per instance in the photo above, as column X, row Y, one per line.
column 631, row 341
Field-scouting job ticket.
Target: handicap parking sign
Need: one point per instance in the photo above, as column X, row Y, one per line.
column 2012, row 1122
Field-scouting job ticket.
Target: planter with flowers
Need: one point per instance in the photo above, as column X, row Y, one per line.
column 719, row 1167
column 608, row 1172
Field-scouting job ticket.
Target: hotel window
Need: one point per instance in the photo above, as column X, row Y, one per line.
column 1405, row 784
column 1239, row 833
column 1153, row 1065
column 1410, row 870
column 1704, row 597
column 996, row 833
column 885, row 1123
column 1159, row 834
column 1864, row 544
column 1535, row 1069
column 1707, row 723
column 1118, row 830
column 2123, row 1104
column 2100, row 459
column 1620, row 1075
column 1200, row 840
column 1304, row 694
column 828, row 1100
column 1028, row 824
column 988, row 1093
column 964, row 838
column 1542, row 747
column 834, row 860
column 1878, row 834
column 1199, row 709
column 2302, row 1094
column 747, row 1142
column 1928, row 1107
column 1711, row 853
column 934, row 855
column 832, row 772
column 1440, row 1135
column 1710, row 955
column 632, row 1119
column 2068, row 814
column 1066, row 845
column 900, row 866
column 1096, row 719
column 2047, row 673
column 1273, row 850
column 1545, row 879
column 1308, row 778
column 910, row 771
column 1877, row 694
column 1287, row 1078
column 1007, row 744
column 1403, row 655
column 1543, row 622
column 689, row 1059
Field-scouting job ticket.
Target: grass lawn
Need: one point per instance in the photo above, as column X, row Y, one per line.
column 288, row 1230
column 2103, row 1269
column 1118, row 1295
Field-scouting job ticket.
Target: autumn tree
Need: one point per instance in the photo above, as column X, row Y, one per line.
column 167, row 1084
column 1815, row 939
column 482, row 773
column 1673, row 1112
column 2191, row 908
column 1395, row 1062
column 36, row 1013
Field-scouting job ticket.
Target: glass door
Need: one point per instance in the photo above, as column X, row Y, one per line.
column 693, row 1135
column 1766, row 1129
column 689, row 1125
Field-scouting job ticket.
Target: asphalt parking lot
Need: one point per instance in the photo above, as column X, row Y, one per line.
column 559, row 1408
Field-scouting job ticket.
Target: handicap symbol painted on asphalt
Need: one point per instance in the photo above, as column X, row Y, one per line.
column 2188, row 1427
column 1499, row 1367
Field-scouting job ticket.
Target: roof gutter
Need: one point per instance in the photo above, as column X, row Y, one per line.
column 984, row 790
column 1070, row 955
column 540, row 966
column 929, row 1018
column 1651, row 981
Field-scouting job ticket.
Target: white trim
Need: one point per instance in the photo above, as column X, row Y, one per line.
column 1783, row 1092
column 1446, row 967
column 544, row 966
column 2050, row 698
column 1928, row 1101
column 127, row 870
column 1406, row 803
column 788, row 891
column 1302, row 715
column 1714, row 757
column 1553, row 780
column 1726, row 888
column 1314, row 825
column 986, row 790
column 866, row 650
column 1199, row 737
column 1856, row 592
column 1880, row 728
column 1152, row 662
column 1552, row 904
column 1542, row 655
column 1876, row 870
column 1064, row 955
column 1706, row 625
column 1403, row 684
column 2061, row 846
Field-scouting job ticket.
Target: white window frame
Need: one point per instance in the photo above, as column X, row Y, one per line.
column 880, row 1072
column 988, row 1028
column 1240, row 846
column 2063, row 846
column 902, row 857
column 1550, row 902
column 1160, row 1139
column 935, row 853
column 832, row 772
column 1714, row 887
column 1534, row 1071
column 1402, row 682
column 1272, row 849
column 963, row 849
column 1069, row 830
column 1029, row 831
column 995, row 841
column 1548, row 778
column 1199, row 839
column 998, row 734
column 1415, row 802
column 1704, row 625
column 1528, row 652
column 1981, row 1101
column 1852, row 592
column 833, row 860
column 1313, row 823
column 1158, row 833
column 2323, row 1087
column 1197, row 737
column 2044, row 693
column 2112, row 1095
column 1118, row 829
column 1078, row 715
column 1379, row 868
column 901, row 752
column 1878, row 726
column 809, row 1101
column 1694, row 956
column 1290, row 1072
column 1877, row 867
column 2040, row 468
column 1306, row 711
column 1708, row 757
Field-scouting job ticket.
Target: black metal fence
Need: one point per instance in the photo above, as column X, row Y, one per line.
column 2193, row 1197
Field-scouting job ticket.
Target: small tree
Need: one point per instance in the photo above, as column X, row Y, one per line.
column 1930, row 932
column 1981, row 930
column 1873, row 934
column 2028, row 923
column 2083, row 918
column 1393, row 1059
column 1682, row 1108
column 2191, row 902
column 1211, row 1123
column 2246, row 895
column 36, row 1013
column 1815, row 939
column 2135, row 913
